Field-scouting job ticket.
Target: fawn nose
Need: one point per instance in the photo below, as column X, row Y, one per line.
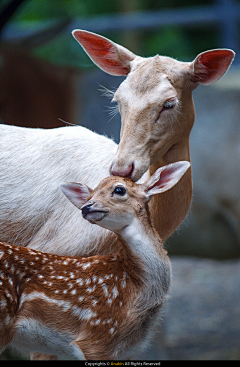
column 86, row 209
column 122, row 171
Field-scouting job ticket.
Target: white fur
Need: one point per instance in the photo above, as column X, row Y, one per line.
column 30, row 194
column 32, row 335
column 157, row 269
column 35, row 200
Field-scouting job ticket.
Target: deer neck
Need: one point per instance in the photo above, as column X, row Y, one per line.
column 145, row 259
column 169, row 209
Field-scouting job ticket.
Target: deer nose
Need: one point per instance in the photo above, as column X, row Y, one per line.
column 122, row 171
column 86, row 209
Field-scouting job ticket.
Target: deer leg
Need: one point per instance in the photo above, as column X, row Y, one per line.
column 35, row 356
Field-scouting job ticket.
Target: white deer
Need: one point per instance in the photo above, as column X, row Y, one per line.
column 97, row 307
column 155, row 102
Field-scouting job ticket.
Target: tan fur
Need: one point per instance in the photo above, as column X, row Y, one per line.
column 99, row 306
column 144, row 140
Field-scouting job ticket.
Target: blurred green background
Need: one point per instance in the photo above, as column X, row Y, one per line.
column 179, row 42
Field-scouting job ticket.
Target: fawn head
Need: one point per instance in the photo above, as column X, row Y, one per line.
column 116, row 201
column 155, row 99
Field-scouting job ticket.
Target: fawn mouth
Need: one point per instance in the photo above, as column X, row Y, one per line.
column 94, row 215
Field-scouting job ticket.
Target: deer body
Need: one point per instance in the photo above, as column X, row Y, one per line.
column 156, row 106
column 98, row 307
column 45, row 221
column 40, row 219
column 69, row 306
column 80, row 307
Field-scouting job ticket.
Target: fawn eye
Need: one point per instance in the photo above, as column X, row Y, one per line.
column 119, row 190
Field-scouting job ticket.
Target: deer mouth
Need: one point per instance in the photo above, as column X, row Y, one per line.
column 93, row 214
column 122, row 172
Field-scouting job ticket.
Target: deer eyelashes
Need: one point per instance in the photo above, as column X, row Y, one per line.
column 170, row 104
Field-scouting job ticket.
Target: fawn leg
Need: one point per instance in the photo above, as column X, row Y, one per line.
column 35, row 356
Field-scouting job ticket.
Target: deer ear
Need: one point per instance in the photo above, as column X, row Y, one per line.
column 211, row 65
column 76, row 193
column 165, row 178
column 107, row 55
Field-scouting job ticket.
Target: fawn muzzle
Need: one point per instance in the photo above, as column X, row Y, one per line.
column 93, row 211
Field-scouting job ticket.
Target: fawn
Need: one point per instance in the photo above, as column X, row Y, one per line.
column 97, row 307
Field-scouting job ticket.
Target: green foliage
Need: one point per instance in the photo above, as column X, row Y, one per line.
column 179, row 42
column 37, row 9
column 169, row 41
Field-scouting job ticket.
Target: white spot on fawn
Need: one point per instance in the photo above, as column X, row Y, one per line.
column 10, row 281
column 115, row 292
column 79, row 281
column 88, row 281
column 105, row 289
column 85, row 266
column 91, row 289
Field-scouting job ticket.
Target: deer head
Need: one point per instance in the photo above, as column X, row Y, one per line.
column 117, row 201
column 155, row 99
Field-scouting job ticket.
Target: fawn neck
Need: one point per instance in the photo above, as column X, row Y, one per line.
column 144, row 254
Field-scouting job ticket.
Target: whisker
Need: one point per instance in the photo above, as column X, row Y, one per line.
column 106, row 92
column 112, row 111
column 68, row 123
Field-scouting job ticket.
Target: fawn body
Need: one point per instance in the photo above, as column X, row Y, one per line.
column 98, row 307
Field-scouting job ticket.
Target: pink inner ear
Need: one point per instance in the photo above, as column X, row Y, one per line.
column 165, row 177
column 80, row 191
column 76, row 193
column 102, row 52
column 211, row 65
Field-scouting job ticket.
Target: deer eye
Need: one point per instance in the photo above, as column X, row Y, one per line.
column 169, row 105
column 119, row 190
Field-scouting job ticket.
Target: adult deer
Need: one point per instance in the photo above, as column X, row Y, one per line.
column 155, row 102
column 97, row 307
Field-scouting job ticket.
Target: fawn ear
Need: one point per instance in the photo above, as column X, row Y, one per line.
column 107, row 55
column 211, row 65
column 76, row 193
column 165, row 178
